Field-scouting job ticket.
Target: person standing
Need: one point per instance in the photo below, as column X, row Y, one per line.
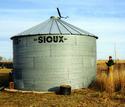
column 110, row 64
column 110, row 81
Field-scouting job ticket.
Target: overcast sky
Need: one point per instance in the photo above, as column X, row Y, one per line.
column 104, row 18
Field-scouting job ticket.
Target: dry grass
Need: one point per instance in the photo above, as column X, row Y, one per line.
column 95, row 96
column 4, row 76
column 115, row 81
column 5, row 70
column 78, row 98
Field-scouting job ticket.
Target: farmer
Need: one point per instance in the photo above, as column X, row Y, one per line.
column 110, row 80
column 110, row 64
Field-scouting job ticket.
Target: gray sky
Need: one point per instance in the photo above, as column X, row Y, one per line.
column 104, row 18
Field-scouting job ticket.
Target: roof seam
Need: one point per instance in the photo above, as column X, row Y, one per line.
column 43, row 27
column 51, row 26
column 58, row 26
column 81, row 30
column 71, row 27
column 64, row 27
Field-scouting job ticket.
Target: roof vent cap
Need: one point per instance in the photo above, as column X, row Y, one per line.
column 55, row 17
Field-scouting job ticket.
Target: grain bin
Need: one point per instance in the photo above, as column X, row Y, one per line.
column 54, row 53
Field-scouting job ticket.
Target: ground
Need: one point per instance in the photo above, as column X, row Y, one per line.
column 94, row 96
column 78, row 98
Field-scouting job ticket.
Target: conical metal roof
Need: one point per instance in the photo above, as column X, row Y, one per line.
column 54, row 26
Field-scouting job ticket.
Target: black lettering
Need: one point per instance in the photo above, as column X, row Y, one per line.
column 44, row 39
column 49, row 39
column 35, row 39
column 40, row 39
column 65, row 38
column 55, row 38
column 61, row 39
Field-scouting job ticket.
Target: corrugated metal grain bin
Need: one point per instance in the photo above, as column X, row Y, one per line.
column 54, row 53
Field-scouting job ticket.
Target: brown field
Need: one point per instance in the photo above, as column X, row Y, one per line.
column 106, row 91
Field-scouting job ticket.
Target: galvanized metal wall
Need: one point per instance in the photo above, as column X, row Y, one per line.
column 45, row 66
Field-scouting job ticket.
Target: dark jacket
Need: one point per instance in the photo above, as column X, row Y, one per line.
column 110, row 63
